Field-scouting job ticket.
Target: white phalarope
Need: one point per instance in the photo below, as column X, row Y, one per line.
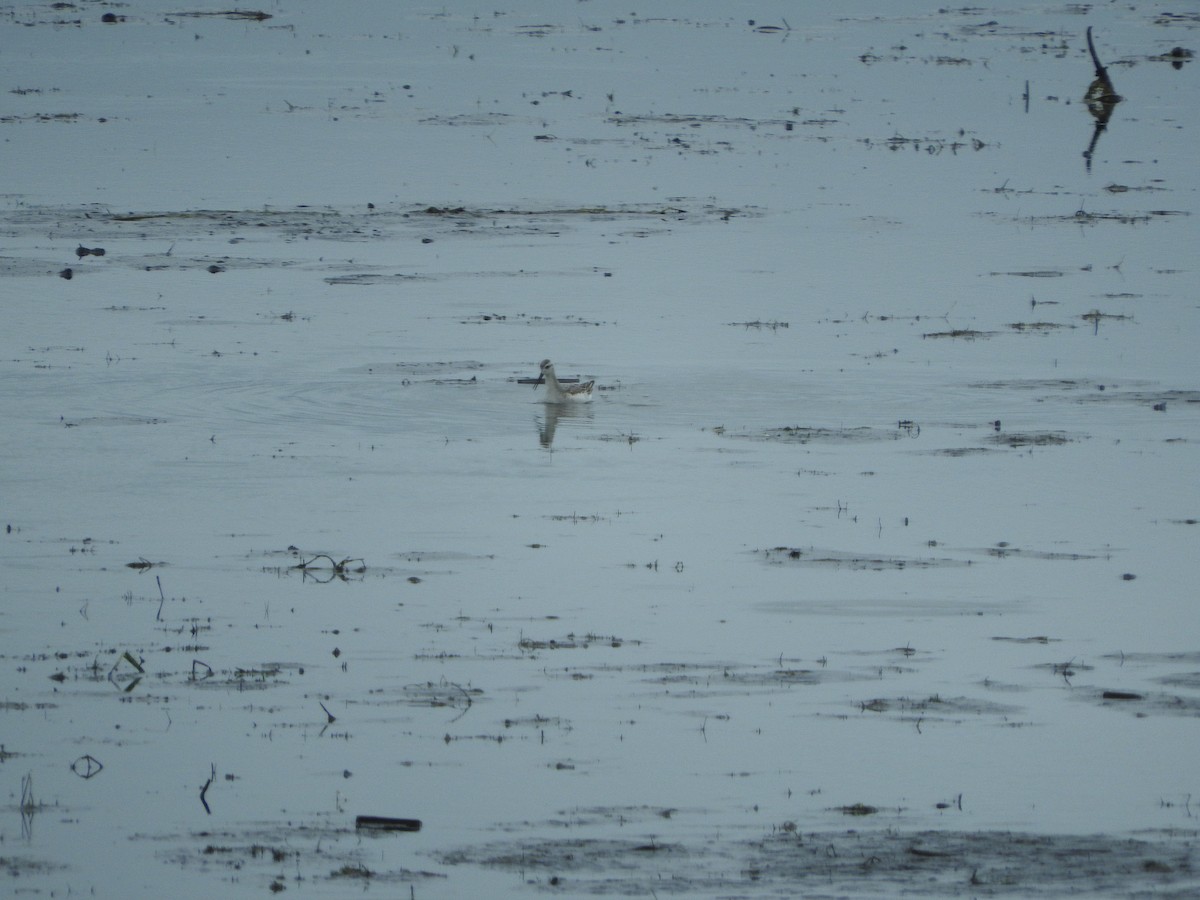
column 562, row 393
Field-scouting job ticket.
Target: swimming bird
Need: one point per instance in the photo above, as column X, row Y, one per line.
column 562, row 393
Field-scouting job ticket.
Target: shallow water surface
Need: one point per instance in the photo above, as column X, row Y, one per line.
column 868, row 571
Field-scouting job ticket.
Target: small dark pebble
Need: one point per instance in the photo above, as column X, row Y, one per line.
column 1160, row 407
column 1128, row 576
column 214, row 269
column 66, row 273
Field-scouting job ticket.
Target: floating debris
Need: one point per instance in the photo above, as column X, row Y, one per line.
column 385, row 823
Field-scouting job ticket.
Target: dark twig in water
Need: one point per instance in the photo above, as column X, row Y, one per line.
column 1101, row 98
column 386, row 823
column 129, row 658
column 201, row 670
column 87, row 766
column 204, row 790
column 28, row 804
column 467, row 695
column 1102, row 88
column 339, row 568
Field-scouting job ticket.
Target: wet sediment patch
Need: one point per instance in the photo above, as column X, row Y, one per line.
column 854, row 862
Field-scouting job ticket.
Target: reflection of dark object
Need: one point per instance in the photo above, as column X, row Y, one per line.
column 340, row 569
column 1178, row 56
column 1101, row 98
column 87, row 766
column 383, row 823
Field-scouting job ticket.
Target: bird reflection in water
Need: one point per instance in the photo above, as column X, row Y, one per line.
column 553, row 413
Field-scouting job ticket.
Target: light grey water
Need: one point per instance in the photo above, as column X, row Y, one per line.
column 785, row 567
